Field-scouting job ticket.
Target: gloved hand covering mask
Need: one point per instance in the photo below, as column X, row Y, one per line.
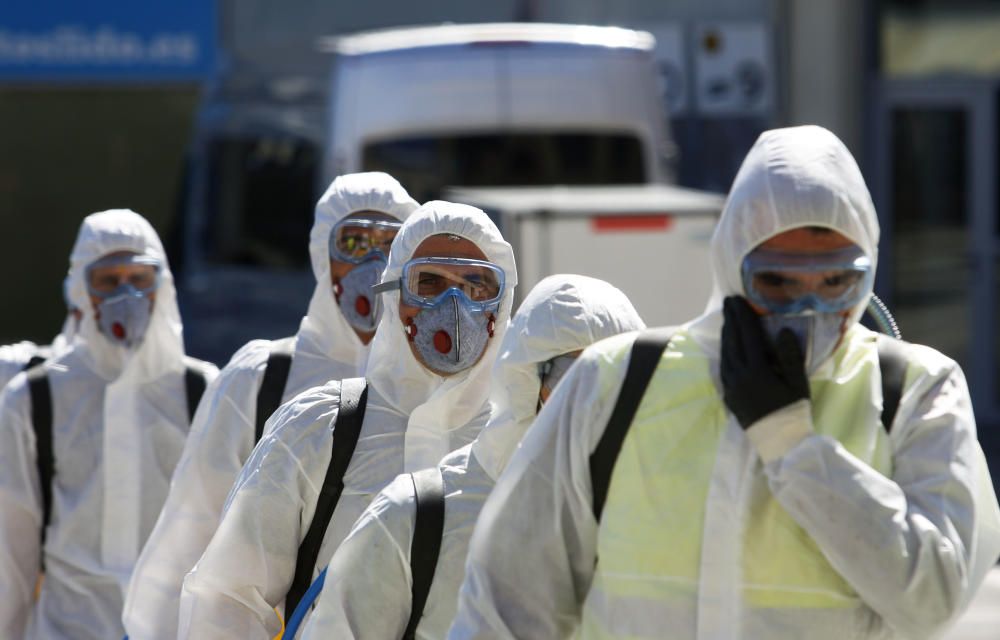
column 458, row 300
column 364, row 243
column 807, row 293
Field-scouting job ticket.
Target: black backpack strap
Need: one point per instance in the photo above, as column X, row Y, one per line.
column 346, row 429
column 194, row 388
column 33, row 362
column 892, row 361
column 272, row 386
column 646, row 353
column 41, row 418
column 428, row 489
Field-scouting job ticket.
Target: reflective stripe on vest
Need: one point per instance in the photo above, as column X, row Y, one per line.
column 650, row 537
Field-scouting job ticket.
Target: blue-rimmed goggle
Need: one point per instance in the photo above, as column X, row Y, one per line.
column 789, row 283
column 425, row 282
column 356, row 240
column 115, row 274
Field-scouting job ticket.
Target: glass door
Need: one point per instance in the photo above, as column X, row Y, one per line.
column 935, row 177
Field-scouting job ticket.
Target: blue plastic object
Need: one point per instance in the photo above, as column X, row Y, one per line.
column 295, row 621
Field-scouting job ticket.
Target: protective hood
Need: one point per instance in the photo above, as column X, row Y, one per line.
column 436, row 405
column 324, row 332
column 794, row 177
column 162, row 349
column 563, row 313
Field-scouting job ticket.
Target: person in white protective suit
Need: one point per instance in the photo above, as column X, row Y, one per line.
column 428, row 386
column 367, row 593
column 757, row 493
column 120, row 412
column 356, row 220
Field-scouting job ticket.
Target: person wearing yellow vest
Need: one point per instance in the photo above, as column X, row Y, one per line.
column 756, row 492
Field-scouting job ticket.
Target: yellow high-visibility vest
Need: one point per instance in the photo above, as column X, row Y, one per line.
column 649, row 545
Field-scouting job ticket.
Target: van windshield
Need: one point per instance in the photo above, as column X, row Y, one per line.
column 260, row 198
column 427, row 164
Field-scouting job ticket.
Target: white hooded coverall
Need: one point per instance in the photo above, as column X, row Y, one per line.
column 222, row 434
column 367, row 591
column 413, row 418
column 119, row 420
column 813, row 524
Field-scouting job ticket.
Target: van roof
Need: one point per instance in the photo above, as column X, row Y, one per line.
column 385, row 40
column 611, row 200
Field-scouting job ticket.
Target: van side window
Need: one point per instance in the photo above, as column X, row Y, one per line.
column 427, row 164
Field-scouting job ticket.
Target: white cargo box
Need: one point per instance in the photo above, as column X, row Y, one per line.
column 650, row 241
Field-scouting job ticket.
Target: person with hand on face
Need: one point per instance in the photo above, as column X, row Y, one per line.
column 367, row 592
column 757, row 490
column 117, row 407
column 447, row 294
column 356, row 220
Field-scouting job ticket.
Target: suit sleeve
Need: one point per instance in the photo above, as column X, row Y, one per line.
column 914, row 545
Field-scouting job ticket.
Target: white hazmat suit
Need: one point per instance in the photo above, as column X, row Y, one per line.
column 222, row 435
column 367, row 590
column 413, row 417
column 119, row 422
column 815, row 524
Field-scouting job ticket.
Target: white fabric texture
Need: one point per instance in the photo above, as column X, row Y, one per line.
column 914, row 546
column 222, row 434
column 119, row 422
column 248, row 566
column 367, row 591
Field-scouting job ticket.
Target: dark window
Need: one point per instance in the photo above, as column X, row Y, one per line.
column 426, row 164
column 261, row 197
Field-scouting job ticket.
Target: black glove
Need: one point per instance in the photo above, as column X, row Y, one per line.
column 758, row 378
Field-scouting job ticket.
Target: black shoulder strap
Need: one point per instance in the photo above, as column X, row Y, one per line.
column 34, row 361
column 272, row 386
column 428, row 488
column 41, row 418
column 646, row 353
column 194, row 387
column 346, row 429
column 892, row 362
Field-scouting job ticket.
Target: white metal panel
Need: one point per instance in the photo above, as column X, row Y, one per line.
column 665, row 273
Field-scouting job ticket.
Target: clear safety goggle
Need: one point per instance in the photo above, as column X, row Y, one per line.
column 426, row 281
column 789, row 283
column 355, row 240
column 551, row 371
column 107, row 276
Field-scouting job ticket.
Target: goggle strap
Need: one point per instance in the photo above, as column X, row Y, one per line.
column 385, row 287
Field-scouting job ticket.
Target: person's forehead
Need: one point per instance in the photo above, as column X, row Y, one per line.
column 117, row 262
column 371, row 214
column 807, row 240
column 446, row 245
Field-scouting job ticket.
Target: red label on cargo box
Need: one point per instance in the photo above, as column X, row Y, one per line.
column 606, row 224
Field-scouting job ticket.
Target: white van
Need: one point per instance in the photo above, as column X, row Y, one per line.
column 497, row 105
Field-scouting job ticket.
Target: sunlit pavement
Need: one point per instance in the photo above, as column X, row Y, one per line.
column 982, row 620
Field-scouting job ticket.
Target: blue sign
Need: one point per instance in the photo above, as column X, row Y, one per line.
column 107, row 40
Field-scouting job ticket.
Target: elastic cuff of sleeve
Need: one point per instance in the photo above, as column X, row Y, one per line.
column 776, row 433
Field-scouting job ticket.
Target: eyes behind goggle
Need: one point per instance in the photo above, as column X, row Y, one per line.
column 142, row 277
column 478, row 283
column 784, row 285
column 359, row 238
